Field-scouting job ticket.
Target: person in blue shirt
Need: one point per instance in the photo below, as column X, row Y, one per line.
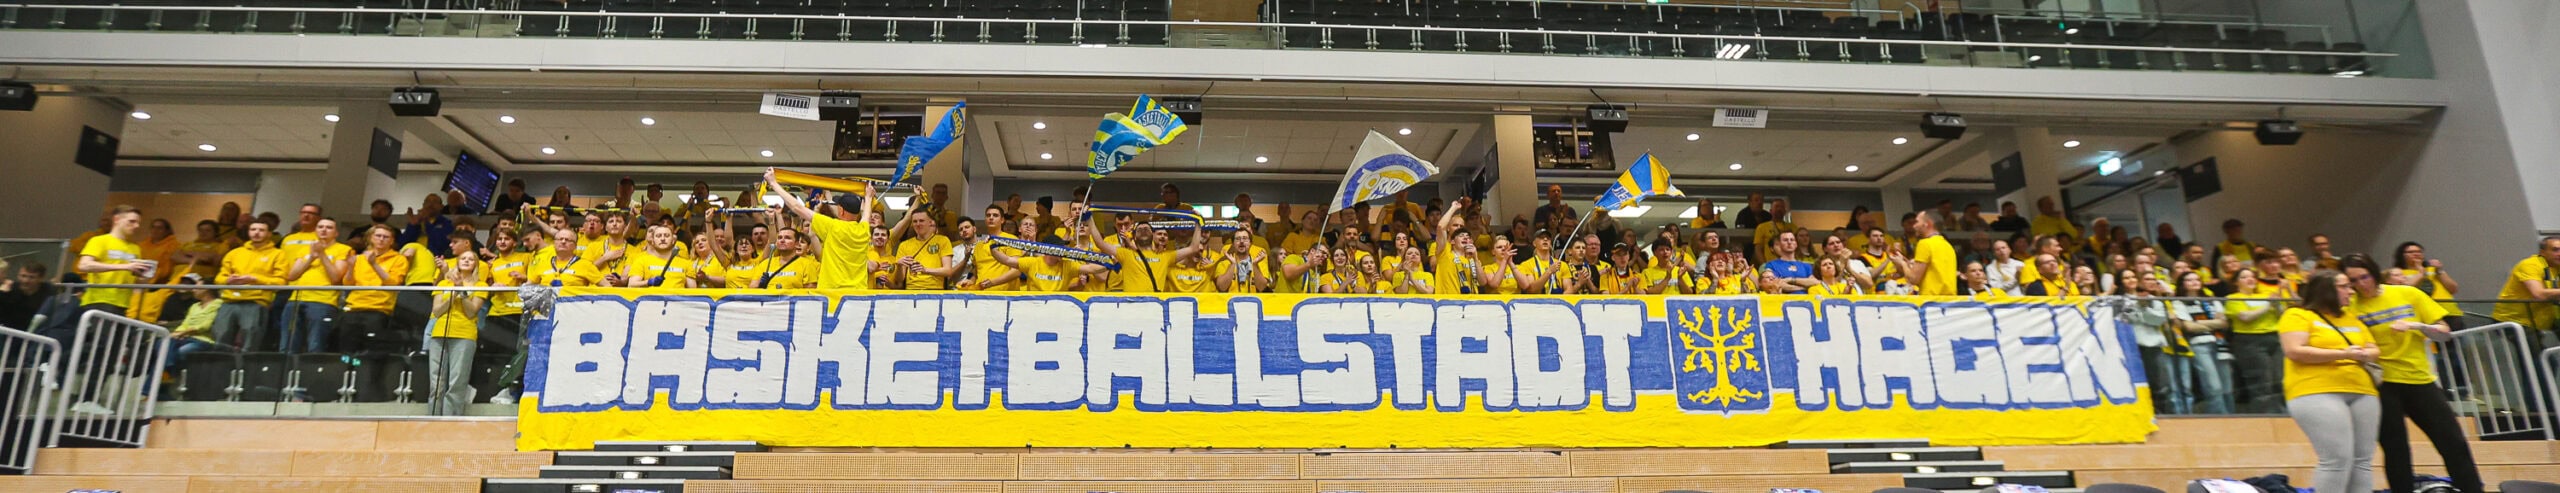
column 428, row 225
column 1795, row 275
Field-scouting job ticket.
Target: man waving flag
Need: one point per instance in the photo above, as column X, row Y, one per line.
column 1646, row 178
column 1380, row 169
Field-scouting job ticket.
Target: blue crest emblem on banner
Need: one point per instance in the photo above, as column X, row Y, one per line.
column 1722, row 355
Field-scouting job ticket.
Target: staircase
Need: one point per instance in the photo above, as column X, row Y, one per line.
column 659, row 467
column 1934, row 468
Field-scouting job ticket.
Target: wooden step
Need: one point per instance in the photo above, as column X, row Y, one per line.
column 635, row 472
column 1421, row 465
column 125, row 484
column 1127, row 466
column 2265, row 455
column 289, row 463
column 878, row 466
column 1920, row 467
column 235, row 484
column 841, row 486
column 491, row 435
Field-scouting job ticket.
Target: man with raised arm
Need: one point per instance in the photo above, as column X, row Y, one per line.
column 845, row 242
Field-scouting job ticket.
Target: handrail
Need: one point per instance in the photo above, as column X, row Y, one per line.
column 840, row 17
column 1853, row 10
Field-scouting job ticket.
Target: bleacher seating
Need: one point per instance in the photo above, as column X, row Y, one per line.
column 968, row 20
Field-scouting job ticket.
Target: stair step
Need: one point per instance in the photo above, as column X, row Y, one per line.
column 1844, row 456
column 712, row 459
column 649, row 446
column 571, row 485
column 635, row 472
column 1917, row 466
column 1848, row 444
column 1980, row 480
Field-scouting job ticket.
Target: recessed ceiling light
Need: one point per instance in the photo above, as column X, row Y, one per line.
column 2071, row 31
column 140, row 115
column 2160, row 172
column 766, row 153
column 1039, row 125
column 1404, row 131
column 1901, row 140
column 506, row 119
column 1044, row 155
column 1735, row 167
column 1853, row 168
column 2067, row 144
column 1693, row 137
column 549, row 151
column 1262, row 159
column 332, row 117
column 648, row 121
column 2035, row 58
column 205, row 147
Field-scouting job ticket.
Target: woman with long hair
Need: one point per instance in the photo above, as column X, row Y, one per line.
column 2329, row 361
column 2256, row 351
column 2198, row 320
column 2410, row 263
column 1826, row 272
column 2405, row 321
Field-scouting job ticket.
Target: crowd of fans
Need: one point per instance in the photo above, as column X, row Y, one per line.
column 2240, row 327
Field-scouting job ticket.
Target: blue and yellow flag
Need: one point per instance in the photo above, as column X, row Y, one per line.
column 1646, row 178
column 921, row 149
column 1121, row 137
column 1380, row 169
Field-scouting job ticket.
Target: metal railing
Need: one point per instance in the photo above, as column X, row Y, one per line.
column 2505, row 392
column 804, row 27
column 112, row 381
column 27, row 363
column 2551, row 388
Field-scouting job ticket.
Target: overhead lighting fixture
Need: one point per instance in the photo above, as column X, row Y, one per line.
column 2110, row 166
column 332, row 117
column 1631, row 212
column 1853, row 168
column 1735, row 167
column 549, row 151
column 1690, row 213
column 205, row 147
column 1227, row 211
column 765, row 153
column 2070, row 144
column 1693, row 137
column 2160, row 172
column 506, row 119
column 1404, row 131
column 1039, row 125
column 140, row 115
column 1733, row 51
column 1262, row 159
column 1044, row 155
column 1901, row 140
column 648, row 121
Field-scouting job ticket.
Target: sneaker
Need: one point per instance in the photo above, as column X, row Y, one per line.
column 91, row 408
column 507, row 396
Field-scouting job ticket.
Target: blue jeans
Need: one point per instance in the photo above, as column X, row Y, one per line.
column 2212, row 385
column 301, row 314
column 180, row 348
column 2169, row 374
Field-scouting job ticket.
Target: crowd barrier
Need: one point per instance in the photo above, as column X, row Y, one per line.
column 2496, row 364
column 112, row 381
column 27, row 363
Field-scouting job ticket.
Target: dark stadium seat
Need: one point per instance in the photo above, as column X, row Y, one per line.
column 2523, row 486
column 324, row 377
column 209, row 376
column 484, row 375
column 263, row 376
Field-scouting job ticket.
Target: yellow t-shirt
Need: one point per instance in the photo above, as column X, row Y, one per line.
column 2239, row 303
column 1242, row 269
column 107, row 249
column 2404, row 352
column 502, row 272
column 743, row 273
column 457, row 323
column 548, row 269
column 1656, row 280
column 847, row 252
column 983, row 264
column 711, row 268
column 423, row 268
column 202, row 249
column 650, row 267
column 931, row 252
column 1142, row 271
column 1834, row 288
column 1045, row 274
column 1941, row 258
column 1767, row 232
column 1456, row 273
column 1282, row 283
column 1194, row 276
column 1545, row 269
column 2335, row 377
column 2044, row 225
column 2242, row 250
column 590, row 247
column 1733, row 284
column 777, row 273
column 359, row 274
column 2441, row 293
column 316, row 274
column 2536, row 314
column 255, row 260
column 162, row 251
column 1504, row 282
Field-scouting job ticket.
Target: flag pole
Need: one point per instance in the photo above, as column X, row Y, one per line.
column 1577, row 232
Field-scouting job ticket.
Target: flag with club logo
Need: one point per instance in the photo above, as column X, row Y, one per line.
column 921, row 149
column 1120, row 138
column 1646, row 178
column 1380, row 169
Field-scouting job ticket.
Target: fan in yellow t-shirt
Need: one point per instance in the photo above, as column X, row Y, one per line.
column 1042, row 273
column 114, row 258
column 559, row 266
column 453, row 333
column 368, row 313
column 1933, row 261
column 845, row 244
column 923, row 253
column 658, row 265
column 788, row 267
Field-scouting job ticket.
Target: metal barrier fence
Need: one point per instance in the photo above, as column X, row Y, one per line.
column 27, row 362
column 2498, row 387
column 112, row 381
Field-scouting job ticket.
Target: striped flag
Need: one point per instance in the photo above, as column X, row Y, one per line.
column 1646, row 178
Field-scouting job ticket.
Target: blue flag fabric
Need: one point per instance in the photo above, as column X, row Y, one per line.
column 1121, row 137
column 921, row 149
column 1646, row 178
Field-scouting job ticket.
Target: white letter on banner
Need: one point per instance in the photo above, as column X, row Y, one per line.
column 1140, row 327
column 1617, row 325
column 1182, row 358
column 669, row 338
column 2093, row 356
column 1965, row 357
column 1405, row 324
column 1044, row 362
column 1891, row 343
column 1485, row 327
column 973, row 320
column 1826, row 343
column 889, row 385
column 1267, row 391
column 1355, row 383
column 2029, row 345
column 811, row 348
column 1565, row 387
column 586, row 360
column 760, row 383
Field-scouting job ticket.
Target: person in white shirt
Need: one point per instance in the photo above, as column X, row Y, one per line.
column 2002, row 271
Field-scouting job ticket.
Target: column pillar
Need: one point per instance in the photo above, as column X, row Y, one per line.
column 1897, row 201
column 2040, row 157
column 351, row 180
column 1515, row 187
column 47, row 193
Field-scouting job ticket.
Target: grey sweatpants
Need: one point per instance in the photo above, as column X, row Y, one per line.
column 2342, row 428
column 449, row 377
